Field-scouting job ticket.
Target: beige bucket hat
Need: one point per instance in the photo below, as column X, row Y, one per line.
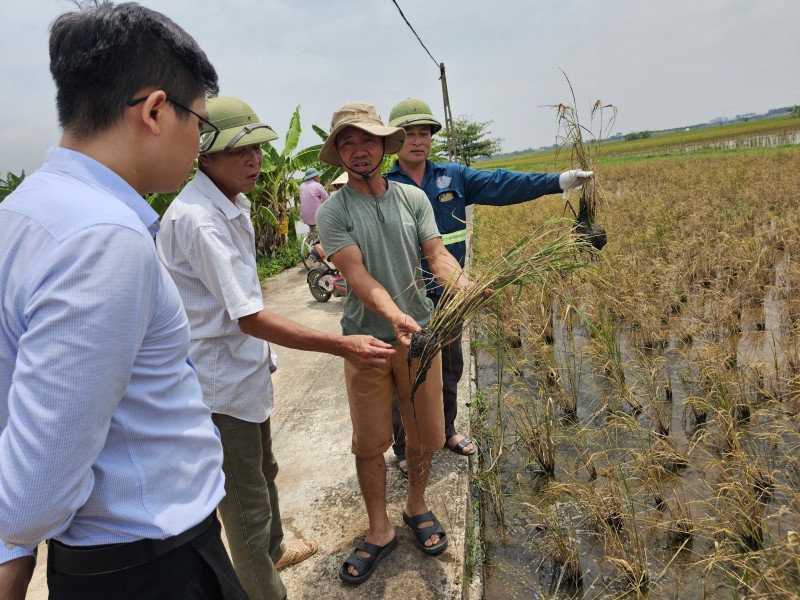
column 364, row 116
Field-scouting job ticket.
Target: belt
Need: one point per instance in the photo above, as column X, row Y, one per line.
column 108, row 558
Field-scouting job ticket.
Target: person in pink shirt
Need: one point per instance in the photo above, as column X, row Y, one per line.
column 312, row 195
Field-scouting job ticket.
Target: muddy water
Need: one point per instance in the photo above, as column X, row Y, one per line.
column 757, row 141
column 514, row 533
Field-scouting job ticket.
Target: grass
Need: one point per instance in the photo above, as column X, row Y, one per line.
column 583, row 144
column 530, row 262
column 287, row 257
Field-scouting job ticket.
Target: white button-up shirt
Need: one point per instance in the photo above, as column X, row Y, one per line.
column 207, row 244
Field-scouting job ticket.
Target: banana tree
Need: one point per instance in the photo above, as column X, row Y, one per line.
column 9, row 184
column 274, row 198
column 310, row 158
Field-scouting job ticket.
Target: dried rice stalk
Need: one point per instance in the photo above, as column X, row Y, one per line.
column 530, row 261
column 584, row 151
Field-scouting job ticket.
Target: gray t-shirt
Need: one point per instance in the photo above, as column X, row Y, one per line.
column 391, row 250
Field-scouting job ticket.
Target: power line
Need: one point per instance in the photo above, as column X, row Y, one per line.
column 415, row 33
column 448, row 120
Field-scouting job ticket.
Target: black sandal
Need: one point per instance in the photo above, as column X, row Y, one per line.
column 404, row 469
column 459, row 447
column 424, row 533
column 365, row 564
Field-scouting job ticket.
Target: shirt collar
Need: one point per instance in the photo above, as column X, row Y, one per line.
column 230, row 209
column 81, row 166
column 395, row 168
column 430, row 166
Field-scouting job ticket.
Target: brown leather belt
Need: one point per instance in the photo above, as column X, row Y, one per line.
column 108, row 558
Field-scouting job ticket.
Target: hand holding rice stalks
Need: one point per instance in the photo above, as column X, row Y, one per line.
column 584, row 152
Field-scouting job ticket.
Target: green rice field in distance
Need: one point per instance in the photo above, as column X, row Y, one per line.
column 751, row 134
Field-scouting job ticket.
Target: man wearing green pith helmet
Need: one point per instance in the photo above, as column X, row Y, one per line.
column 450, row 188
column 207, row 244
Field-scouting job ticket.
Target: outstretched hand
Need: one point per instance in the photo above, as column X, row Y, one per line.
column 365, row 351
column 574, row 179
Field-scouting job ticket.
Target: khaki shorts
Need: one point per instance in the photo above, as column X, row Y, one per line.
column 369, row 393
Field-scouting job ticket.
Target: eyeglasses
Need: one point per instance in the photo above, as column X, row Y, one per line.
column 207, row 137
column 245, row 130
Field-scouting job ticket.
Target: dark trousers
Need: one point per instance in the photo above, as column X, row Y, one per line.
column 198, row 570
column 250, row 509
column 452, row 369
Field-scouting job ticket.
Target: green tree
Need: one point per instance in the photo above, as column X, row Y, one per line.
column 638, row 135
column 471, row 140
column 796, row 110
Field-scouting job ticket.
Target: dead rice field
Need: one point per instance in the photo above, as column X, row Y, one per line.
column 638, row 421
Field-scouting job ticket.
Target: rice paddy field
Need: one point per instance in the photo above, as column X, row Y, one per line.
column 638, row 419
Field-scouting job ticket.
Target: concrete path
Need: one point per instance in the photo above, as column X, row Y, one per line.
column 319, row 493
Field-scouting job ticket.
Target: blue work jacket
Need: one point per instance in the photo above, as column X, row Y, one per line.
column 450, row 187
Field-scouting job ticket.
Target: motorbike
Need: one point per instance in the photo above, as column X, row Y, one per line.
column 325, row 280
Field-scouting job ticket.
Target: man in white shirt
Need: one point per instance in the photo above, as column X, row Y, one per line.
column 207, row 244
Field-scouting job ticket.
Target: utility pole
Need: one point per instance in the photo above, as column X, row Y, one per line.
column 448, row 117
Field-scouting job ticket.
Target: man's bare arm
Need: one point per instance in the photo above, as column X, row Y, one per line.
column 364, row 351
column 15, row 575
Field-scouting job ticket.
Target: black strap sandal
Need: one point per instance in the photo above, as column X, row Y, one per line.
column 424, row 533
column 365, row 564
column 404, row 469
column 459, row 447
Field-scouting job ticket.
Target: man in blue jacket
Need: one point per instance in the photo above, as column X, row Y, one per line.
column 450, row 187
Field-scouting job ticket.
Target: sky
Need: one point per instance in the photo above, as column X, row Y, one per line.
column 663, row 64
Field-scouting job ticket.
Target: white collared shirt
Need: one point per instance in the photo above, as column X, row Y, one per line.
column 207, row 244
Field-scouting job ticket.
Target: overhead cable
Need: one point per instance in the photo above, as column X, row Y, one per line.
column 415, row 33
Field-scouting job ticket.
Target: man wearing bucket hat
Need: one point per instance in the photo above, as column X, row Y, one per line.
column 374, row 231
column 207, row 245
column 312, row 195
column 450, row 188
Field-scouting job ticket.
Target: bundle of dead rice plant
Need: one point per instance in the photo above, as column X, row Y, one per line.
column 549, row 249
column 584, row 146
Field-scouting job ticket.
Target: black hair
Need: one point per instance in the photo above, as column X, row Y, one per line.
column 102, row 54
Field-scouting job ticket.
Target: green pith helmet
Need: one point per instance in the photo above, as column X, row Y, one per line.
column 238, row 124
column 411, row 112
